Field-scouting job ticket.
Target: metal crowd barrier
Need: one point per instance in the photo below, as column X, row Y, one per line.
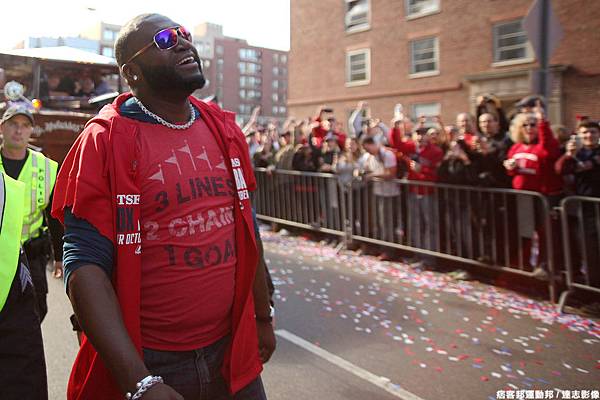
column 499, row 229
column 580, row 217
column 301, row 199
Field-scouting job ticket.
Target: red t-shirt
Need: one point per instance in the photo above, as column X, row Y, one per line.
column 188, row 236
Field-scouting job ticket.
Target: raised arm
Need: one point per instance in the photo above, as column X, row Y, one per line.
column 355, row 120
column 251, row 122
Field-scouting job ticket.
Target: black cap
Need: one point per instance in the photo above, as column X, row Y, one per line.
column 17, row 110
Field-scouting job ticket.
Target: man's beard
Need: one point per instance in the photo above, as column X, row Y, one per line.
column 166, row 79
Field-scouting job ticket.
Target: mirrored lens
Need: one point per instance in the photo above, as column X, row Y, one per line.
column 185, row 33
column 166, row 39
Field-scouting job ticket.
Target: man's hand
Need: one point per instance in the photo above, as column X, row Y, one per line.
column 362, row 105
column 539, row 111
column 571, row 148
column 510, row 164
column 266, row 340
column 58, row 270
column 162, row 392
column 415, row 166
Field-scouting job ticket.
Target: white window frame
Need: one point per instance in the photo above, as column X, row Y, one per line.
column 436, row 59
column 414, row 15
column 429, row 123
column 367, row 80
column 529, row 57
column 364, row 26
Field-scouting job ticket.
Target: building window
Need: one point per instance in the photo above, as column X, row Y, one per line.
column 108, row 35
column 419, row 8
column 275, row 58
column 275, row 110
column 249, row 54
column 275, row 97
column 282, row 110
column 205, row 63
column 357, row 15
column 252, row 82
column 510, row 42
column 424, row 55
column 220, row 77
column 249, row 68
column 203, row 48
column 220, row 50
column 358, row 67
column 107, row 51
column 275, row 71
column 250, row 94
column 275, row 84
column 245, row 108
column 427, row 110
column 283, row 59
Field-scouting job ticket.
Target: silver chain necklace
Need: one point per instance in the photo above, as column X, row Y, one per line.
column 166, row 123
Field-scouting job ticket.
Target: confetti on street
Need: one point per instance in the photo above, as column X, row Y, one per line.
column 401, row 303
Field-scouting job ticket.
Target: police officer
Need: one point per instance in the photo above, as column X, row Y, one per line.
column 38, row 173
column 22, row 364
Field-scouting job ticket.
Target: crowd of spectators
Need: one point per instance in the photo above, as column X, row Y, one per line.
column 490, row 150
column 64, row 84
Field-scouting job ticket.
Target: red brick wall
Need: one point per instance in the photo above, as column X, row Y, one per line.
column 464, row 28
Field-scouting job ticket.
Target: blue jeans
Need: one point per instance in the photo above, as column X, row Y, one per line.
column 196, row 374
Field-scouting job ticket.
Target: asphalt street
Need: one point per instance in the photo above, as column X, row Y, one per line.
column 352, row 327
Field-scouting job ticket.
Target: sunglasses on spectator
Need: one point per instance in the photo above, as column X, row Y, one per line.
column 165, row 39
column 531, row 124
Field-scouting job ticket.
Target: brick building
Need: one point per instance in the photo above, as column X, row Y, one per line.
column 242, row 76
column 437, row 56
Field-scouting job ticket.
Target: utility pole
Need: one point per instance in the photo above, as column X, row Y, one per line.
column 544, row 56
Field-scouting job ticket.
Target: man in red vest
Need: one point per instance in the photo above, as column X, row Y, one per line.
column 160, row 249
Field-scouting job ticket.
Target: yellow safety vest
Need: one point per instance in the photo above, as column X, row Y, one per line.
column 11, row 220
column 38, row 175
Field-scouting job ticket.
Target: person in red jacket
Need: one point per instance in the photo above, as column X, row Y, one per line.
column 530, row 161
column 161, row 254
column 401, row 143
column 422, row 219
column 321, row 127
